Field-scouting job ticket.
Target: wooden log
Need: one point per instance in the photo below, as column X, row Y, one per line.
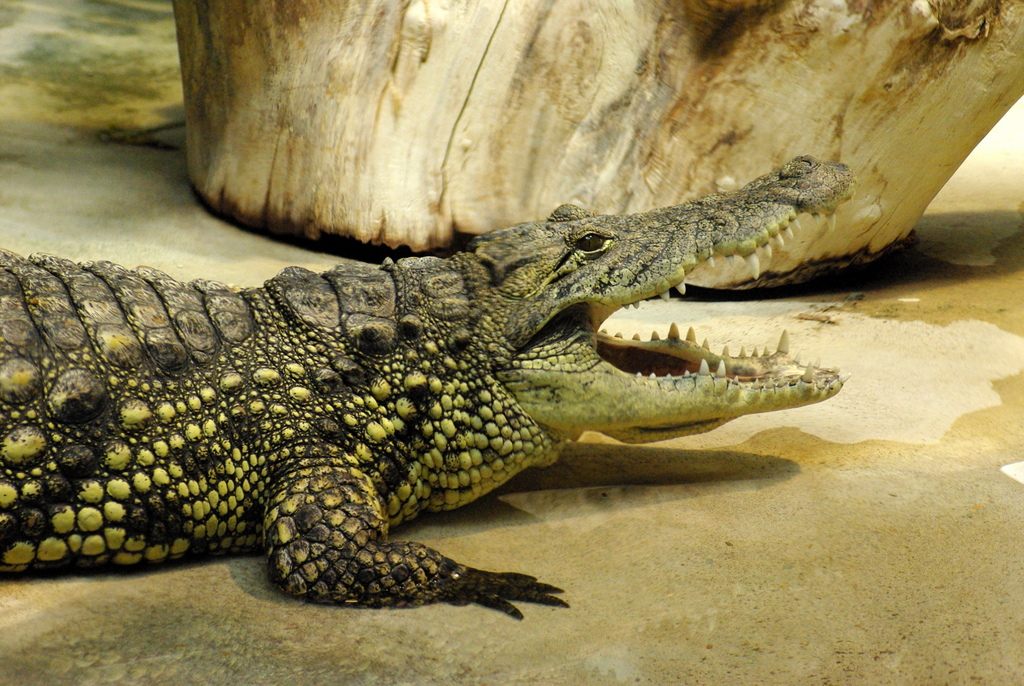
column 405, row 122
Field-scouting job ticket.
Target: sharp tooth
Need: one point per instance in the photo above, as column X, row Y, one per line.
column 817, row 217
column 618, row 334
column 653, row 376
column 817, row 362
column 832, row 222
column 604, row 331
column 655, row 336
column 725, row 351
column 753, row 264
column 686, row 373
column 795, row 223
column 743, row 351
column 844, row 378
column 788, row 233
column 681, row 288
column 721, row 368
column 636, row 337
column 754, row 354
column 768, row 251
column 664, row 295
column 731, row 259
column 780, row 240
column 706, row 345
column 673, row 331
column 704, row 369
column 784, row 342
column 691, row 335
column 711, row 261
column 808, row 374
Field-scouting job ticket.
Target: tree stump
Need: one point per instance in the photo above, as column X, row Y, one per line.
column 404, row 123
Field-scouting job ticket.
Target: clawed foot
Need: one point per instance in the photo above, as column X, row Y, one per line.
column 463, row 585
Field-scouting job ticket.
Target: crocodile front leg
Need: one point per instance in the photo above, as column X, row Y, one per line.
column 326, row 539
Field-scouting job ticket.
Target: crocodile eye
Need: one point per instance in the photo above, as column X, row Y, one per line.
column 591, row 242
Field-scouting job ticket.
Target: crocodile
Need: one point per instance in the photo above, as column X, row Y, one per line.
column 144, row 419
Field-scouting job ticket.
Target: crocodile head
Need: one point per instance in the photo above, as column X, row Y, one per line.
column 549, row 286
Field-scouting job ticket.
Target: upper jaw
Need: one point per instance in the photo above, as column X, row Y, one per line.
column 649, row 253
column 755, row 251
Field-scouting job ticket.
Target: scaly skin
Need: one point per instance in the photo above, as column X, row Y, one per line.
column 143, row 419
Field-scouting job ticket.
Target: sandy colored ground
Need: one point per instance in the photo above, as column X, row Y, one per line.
column 871, row 539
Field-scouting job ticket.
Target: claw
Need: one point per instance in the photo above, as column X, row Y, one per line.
column 496, row 590
column 500, row 604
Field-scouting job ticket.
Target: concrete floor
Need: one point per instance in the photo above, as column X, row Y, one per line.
column 871, row 539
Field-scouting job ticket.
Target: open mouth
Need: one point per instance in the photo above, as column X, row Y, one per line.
column 572, row 376
column 671, row 355
column 678, row 356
